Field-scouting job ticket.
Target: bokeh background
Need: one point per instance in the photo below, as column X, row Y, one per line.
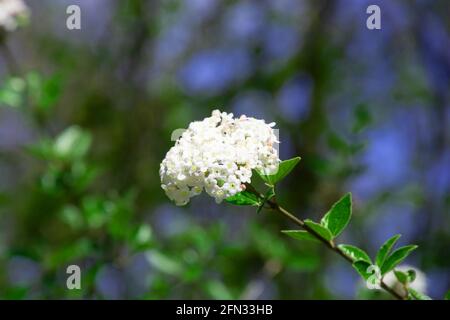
column 86, row 117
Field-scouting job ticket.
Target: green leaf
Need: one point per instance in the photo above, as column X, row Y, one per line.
column 355, row 253
column 269, row 195
column 401, row 276
column 244, row 198
column 319, row 229
column 11, row 94
column 411, row 275
column 418, row 295
column 218, row 290
column 284, row 167
column 300, row 235
column 337, row 143
column 70, row 252
column 362, row 118
column 143, row 235
column 164, row 263
column 396, row 257
column 44, row 92
column 385, row 249
column 339, row 215
column 43, row 149
column 361, row 267
column 447, row 295
column 4, row 198
column 72, row 143
column 72, row 216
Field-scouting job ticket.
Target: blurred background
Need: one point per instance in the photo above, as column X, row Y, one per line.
column 86, row 117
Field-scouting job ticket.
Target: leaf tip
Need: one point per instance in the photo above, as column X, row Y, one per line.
column 348, row 196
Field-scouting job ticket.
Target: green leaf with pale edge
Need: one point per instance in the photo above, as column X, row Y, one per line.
column 284, row 167
column 300, row 235
column 411, row 275
column 401, row 276
column 319, row 229
column 244, row 198
column 405, row 277
column 447, row 295
column 355, row 253
column 361, row 267
column 339, row 215
column 396, row 257
column 418, row 295
column 385, row 249
column 269, row 195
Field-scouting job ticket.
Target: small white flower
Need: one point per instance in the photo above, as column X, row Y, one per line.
column 10, row 12
column 217, row 155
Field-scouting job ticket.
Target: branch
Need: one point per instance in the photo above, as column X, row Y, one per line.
column 329, row 244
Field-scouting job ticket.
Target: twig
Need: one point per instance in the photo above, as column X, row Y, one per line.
column 329, row 244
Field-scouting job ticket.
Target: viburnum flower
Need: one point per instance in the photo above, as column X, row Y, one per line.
column 218, row 155
column 11, row 11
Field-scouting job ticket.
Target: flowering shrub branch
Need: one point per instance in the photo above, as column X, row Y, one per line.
column 222, row 155
column 331, row 225
column 313, row 232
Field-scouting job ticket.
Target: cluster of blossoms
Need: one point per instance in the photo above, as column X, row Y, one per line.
column 10, row 13
column 218, row 154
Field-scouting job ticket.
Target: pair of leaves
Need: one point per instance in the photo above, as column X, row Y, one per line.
column 384, row 261
column 335, row 220
column 405, row 277
column 387, row 261
column 331, row 225
column 361, row 262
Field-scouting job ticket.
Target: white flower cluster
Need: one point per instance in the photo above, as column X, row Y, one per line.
column 10, row 12
column 218, row 154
